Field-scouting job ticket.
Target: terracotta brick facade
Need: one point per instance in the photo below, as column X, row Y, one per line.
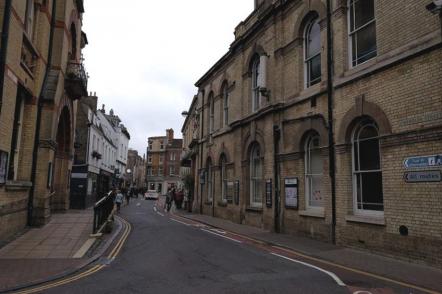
column 398, row 91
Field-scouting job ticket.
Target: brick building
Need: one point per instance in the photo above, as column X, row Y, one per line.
column 347, row 149
column 137, row 165
column 163, row 162
column 41, row 77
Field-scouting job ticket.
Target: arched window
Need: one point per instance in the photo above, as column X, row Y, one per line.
column 362, row 31
column 225, row 93
column 367, row 173
column 73, row 53
column 312, row 48
column 313, row 173
column 209, row 181
column 256, row 167
column 211, row 113
column 223, row 178
column 255, row 83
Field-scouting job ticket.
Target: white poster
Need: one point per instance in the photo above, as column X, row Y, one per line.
column 291, row 192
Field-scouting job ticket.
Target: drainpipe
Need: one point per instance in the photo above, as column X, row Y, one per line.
column 38, row 119
column 201, row 152
column 276, row 138
column 331, row 141
column 4, row 47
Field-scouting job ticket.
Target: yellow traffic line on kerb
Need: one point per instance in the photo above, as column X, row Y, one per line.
column 115, row 251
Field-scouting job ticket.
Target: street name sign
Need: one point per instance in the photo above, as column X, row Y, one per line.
column 422, row 176
column 423, row 161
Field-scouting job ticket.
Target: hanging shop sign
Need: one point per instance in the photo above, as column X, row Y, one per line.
column 291, row 192
column 3, row 167
column 269, row 193
column 423, row 176
column 423, row 161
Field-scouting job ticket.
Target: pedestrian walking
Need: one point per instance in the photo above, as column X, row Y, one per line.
column 169, row 199
column 127, row 195
column 118, row 200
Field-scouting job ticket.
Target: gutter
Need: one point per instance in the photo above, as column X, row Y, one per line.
column 38, row 119
column 331, row 141
column 4, row 47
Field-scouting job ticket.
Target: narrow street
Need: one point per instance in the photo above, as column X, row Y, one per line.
column 165, row 253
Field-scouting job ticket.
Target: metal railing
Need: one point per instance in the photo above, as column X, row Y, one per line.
column 77, row 71
column 102, row 211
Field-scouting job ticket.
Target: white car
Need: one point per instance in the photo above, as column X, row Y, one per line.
column 151, row 194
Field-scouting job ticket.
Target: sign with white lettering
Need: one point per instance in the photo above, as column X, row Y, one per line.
column 423, row 176
column 423, row 161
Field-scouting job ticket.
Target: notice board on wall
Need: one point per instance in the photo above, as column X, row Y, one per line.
column 291, row 192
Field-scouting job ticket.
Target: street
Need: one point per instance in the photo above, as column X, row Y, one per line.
column 165, row 253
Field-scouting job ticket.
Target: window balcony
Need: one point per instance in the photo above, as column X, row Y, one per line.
column 76, row 80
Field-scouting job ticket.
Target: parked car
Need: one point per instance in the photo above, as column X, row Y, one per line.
column 151, row 194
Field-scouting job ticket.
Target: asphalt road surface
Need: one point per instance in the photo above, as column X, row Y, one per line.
column 165, row 254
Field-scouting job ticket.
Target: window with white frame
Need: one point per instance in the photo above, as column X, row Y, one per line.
column 161, row 158
column 30, row 15
column 211, row 113
column 256, row 101
column 312, row 53
column 225, row 93
column 172, row 156
column 150, row 145
column 209, row 181
column 16, row 135
column 149, row 158
column 367, row 173
column 171, row 170
column 223, row 179
column 160, row 170
column 362, row 31
column 256, row 167
column 149, row 171
column 313, row 174
column 161, row 145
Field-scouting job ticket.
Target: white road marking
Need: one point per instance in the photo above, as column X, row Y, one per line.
column 138, row 204
column 179, row 222
column 332, row 275
column 219, row 235
column 218, row 231
column 362, row 292
column 160, row 213
column 155, row 208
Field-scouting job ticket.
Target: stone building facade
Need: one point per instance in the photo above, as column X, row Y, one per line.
column 163, row 162
column 93, row 169
column 137, row 165
column 339, row 141
column 41, row 78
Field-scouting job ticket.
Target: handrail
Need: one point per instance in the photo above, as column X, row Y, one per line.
column 103, row 210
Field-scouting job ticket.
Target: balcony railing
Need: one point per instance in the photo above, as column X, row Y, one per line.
column 76, row 80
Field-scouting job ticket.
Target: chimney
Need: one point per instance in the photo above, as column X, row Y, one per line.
column 169, row 135
column 103, row 109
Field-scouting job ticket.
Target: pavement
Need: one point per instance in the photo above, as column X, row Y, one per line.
column 416, row 274
column 57, row 249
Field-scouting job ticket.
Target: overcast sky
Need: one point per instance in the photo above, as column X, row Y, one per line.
column 144, row 56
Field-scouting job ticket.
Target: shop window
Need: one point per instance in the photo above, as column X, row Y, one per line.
column 362, row 31
column 367, row 173
column 17, row 134
column 209, row 181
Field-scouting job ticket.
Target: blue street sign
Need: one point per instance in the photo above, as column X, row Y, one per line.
column 423, row 161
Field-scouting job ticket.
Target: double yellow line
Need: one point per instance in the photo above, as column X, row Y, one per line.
column 115, row 251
